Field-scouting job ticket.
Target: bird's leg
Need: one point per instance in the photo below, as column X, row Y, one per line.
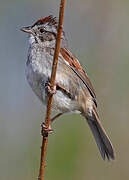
column 55, row 117
column 45, row 131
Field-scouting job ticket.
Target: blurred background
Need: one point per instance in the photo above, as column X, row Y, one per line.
column 98, row 34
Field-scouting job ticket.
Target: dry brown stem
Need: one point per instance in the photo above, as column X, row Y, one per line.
column 50, row 96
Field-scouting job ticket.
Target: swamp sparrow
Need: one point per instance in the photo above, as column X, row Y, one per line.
column 74, row 91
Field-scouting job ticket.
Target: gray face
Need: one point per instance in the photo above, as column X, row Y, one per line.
column 44, row 32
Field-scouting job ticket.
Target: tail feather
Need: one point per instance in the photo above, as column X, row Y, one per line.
column 102, row 140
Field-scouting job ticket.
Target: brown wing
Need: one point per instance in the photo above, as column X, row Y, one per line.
column 76, row 67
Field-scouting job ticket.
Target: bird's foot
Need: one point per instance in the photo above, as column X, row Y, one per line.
column 45, row 131
column 50, row 90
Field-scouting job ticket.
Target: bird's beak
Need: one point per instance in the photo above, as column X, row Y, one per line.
column 27, row 30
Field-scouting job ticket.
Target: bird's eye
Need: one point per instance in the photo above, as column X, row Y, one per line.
column 41, row 30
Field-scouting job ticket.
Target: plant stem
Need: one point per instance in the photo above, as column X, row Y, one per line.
column 50, row 96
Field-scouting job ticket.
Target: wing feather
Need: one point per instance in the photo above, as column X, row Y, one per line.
column 77, row 68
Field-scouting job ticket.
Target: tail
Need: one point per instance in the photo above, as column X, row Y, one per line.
column 102, row 140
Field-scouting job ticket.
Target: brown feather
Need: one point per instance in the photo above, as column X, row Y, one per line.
column 50, row 19
column 75, row 65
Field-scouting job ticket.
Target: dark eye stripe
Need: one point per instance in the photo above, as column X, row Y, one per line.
column 54, row 34
column 42, row 30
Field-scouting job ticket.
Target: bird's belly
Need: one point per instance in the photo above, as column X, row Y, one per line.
column 34, row 81
column 61, row 102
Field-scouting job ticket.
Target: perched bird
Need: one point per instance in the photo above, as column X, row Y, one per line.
column 74, row 92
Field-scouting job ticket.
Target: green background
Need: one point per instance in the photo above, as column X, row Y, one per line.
column 98, row 34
